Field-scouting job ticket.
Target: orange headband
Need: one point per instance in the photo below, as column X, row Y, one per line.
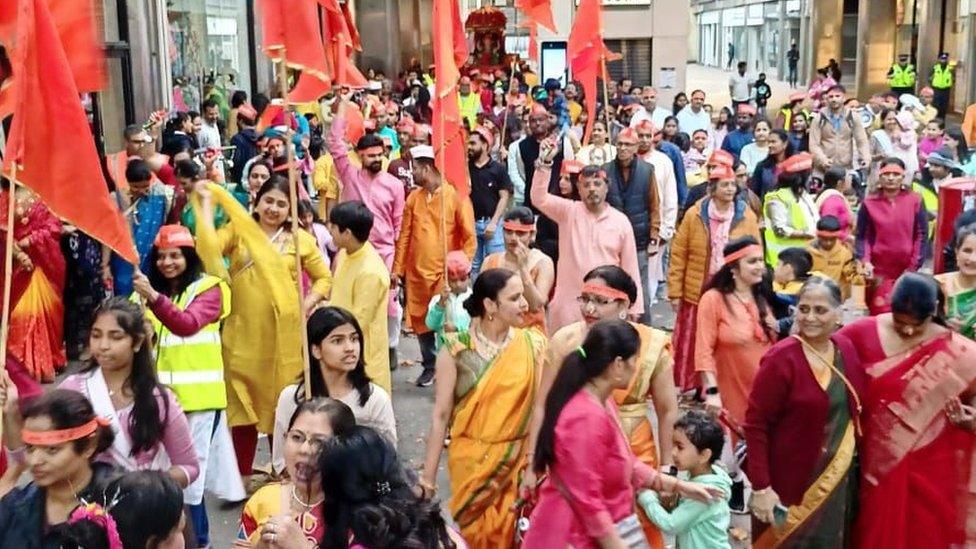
column 605, row 291
column 748, row 250
column 517, row 227
column 892, row 168
column 828, row 234
column 378, row 149
column 52, row 438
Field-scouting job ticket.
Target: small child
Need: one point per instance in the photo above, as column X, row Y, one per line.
column 457, row 318
column 831, row 257
column 697, row 445
column 696, row 157
column 932, row 136
column 792, row 270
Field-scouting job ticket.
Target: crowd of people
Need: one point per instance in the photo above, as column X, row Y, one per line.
column 794, row 246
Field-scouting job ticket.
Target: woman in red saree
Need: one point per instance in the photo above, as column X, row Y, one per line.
column 917, row 451
column 37, row 310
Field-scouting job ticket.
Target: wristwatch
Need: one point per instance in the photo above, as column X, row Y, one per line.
column 713, row 390
column 670, row 470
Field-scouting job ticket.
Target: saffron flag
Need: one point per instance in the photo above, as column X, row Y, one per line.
column 341, row 38
column 450, row 53
column 539, row 11
column 50, row 140
column 291, row 31
column 588, row 54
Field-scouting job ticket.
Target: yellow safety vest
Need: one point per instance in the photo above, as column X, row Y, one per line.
column 931, row 202
column 941, row 77
column 469, row 107
column 774, row 243
column 193, row 366
column 902, row 77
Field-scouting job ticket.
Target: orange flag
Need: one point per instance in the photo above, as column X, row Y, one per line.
column 588, row 54
column 341, row 38
column 450, row 53
column 539, row 11
column 50, row 140
column 293, row 26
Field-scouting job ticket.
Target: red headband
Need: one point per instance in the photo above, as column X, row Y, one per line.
column 376, row 149
column 892, row 168
column 605, row 291
column 52, row 438
column 517, row 227
column 748, row 250
column 828, row 234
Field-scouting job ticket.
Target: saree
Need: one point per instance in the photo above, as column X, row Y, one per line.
column 36, row 305
column 824, row 516
column 960, row 304
column 917, row 484
column 494, row 402
column 683, row 343
column 145, row 216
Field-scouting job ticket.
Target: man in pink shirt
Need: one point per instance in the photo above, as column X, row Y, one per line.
column 591, row 234
column 381, row 192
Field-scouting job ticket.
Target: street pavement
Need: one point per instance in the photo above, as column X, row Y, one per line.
column 715, row 83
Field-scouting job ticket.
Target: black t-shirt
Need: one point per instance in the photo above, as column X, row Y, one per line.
column 486, row 184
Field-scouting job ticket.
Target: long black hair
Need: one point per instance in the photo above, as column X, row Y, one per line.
column 962, row 148
column 367, row 495
column 145, row 426
column 606, row 341
column 146, row 506
column 194, row 268
column 920, row 297
column 68, row 409
column 322, row 322
column 724, row 281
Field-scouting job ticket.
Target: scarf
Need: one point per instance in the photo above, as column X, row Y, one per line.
column 719, row 225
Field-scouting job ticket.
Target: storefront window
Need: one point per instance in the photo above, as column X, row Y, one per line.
column 208, row 50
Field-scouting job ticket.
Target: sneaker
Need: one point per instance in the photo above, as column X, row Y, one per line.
column 426, row 378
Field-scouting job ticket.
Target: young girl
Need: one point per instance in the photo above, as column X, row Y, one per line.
column 696, row 157
column 455, row 318
column 753, row 153
column 932, row 138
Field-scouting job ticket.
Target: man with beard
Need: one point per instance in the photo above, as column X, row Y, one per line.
column 490, row 191
column 380, row 191
column 591, row 234
column 521, row 169
column 835, row 134
column 742, row 135
column 632, row 189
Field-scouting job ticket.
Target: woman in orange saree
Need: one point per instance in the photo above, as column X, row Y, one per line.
column 918, row 444
column 485, row 388
column 36, row 306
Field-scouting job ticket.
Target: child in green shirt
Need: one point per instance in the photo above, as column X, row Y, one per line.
column 445, row 313
column 698, row 440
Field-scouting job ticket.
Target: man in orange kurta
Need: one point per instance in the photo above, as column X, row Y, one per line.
column 431, row 212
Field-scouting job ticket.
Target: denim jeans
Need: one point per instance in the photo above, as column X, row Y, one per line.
column 486, row 247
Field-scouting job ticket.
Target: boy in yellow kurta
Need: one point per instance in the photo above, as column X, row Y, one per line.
column 361, row 285
column 833, row 258
column 420, row 248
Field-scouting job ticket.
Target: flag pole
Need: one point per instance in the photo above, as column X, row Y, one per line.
column 293, row 199
column 508, row 96
column 8, row 266
column 606, row 93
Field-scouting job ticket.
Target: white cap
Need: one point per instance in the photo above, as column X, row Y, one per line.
column 374, row 85
column 911, row 102
column 422, row 151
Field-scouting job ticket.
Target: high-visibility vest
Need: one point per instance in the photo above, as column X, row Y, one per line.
column 930, row 199
column 193, row 366
column 798, row 220
column 117, row 163
column 902, row 77
column 941, row 77
column 469, row 107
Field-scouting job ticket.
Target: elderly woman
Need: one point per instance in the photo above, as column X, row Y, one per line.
column 800, row 426
column 696, row 255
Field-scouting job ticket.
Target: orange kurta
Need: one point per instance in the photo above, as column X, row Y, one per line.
column 730, row 342
column 419, row 259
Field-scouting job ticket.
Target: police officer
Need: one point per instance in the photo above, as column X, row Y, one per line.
column 941, row 80
column 901, row 76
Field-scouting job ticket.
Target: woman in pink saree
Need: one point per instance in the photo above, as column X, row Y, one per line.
column 917, row 450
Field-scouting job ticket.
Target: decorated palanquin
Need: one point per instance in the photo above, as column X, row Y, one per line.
column 486, row 28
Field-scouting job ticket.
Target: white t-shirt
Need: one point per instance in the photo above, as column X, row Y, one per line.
column 377, row 414
column 689, row 121
column 740, row 86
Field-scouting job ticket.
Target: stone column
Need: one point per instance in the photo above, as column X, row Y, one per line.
column 826, row 22
column 876, row 45
column 926, row 56
column 378, row 22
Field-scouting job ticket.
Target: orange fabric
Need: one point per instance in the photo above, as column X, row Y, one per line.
column 539, row 11
column 81, row 34
column 969, row 124
column 531, row 319
column 68, row 177
column 450, row 53
column 419, row 259
column 588, row 54
column 294, row 28
column 730, row 343
column 342, row 39
column 309, row 88
column 690, row 252
column 116, row 164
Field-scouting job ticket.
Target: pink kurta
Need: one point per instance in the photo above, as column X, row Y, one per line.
column 586, row 241
column 596, row 469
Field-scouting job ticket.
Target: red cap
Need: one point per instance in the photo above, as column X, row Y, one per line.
column 721, row 158
column 627, row 135
column 173, row 236
column 570, row 167
column 646, row 125
column 746, row 108
column 798, row 96
column 721, row 172
column 406, row 124
column 247, row 111
column 458, row 265
column 798, row 163
column 486, row 134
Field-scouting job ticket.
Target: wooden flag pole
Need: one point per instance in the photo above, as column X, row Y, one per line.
column 508, row 96
column 8, row 266
column 606, row 92
column 293, row 199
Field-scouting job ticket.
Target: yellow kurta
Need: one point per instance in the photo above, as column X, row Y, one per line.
column 488, row 432
column 419, row 259
column 325, row 179
column 361, row 285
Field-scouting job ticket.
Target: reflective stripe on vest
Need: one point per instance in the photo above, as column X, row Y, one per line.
column 193, row 366
column 902, row 77
column 941, row 77
column 775, row 244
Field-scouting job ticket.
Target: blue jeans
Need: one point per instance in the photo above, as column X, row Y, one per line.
column 486, row 247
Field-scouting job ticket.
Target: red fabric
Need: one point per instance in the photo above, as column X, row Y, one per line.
column 786, row 421
column 68, row 175
column 309, row 88
column 588, row 54
column 293, row 26
column 539, row 11
column 81, row 35
column 245, row 439
column 450, row 53
column 27, row 386
column 683, row 345
column 916, row 488
column 271, row 112
column 341, row 38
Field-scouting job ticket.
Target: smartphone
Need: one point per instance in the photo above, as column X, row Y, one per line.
column 554, row 62
column 780, row 514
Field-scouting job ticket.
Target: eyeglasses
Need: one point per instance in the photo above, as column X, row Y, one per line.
column 299, row 438
column 596, row 301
